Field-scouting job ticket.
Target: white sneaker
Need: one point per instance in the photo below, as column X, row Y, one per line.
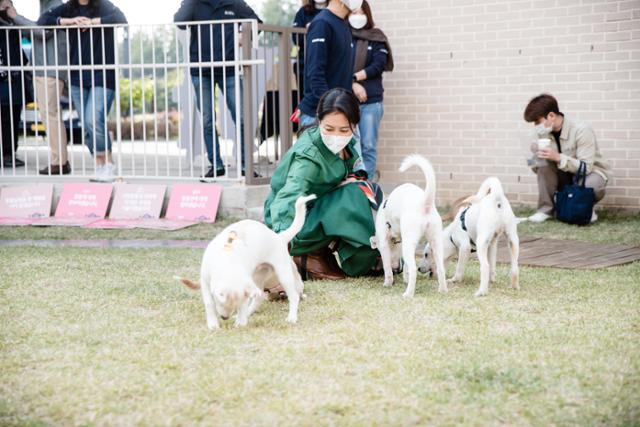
column 106, row 172
column 594, row 217
column 539, row 217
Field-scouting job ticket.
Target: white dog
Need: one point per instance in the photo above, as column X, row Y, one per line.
column 480, row 223
column 241, row 262
column 406, row 216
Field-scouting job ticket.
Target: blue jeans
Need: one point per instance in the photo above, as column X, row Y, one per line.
column 94, row 115
column 370, row 117
column 306, row 120
column 210, row 135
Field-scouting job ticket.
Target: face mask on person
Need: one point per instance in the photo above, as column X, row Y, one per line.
column 335, row 143
column 352, row 4
column 320, row 4
column 541, row 129
column 358, row 21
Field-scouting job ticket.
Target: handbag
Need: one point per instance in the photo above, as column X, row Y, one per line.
column 574, row 203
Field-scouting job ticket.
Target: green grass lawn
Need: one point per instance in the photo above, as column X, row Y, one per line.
column 106, row 337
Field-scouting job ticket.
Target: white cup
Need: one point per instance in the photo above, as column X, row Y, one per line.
column 544, row 143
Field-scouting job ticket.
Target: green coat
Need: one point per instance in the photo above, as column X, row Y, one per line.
column 340, row 214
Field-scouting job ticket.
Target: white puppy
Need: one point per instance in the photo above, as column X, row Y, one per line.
column 241, row 262
column 408, row 214
column 480, row 223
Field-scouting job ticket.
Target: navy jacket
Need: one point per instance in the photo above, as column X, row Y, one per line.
column 10, row 94
column 376, row 61
column 212, row 10
column 301, row 20
column 329, row 60
column 80, row 42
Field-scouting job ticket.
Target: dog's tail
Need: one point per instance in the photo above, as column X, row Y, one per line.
column 298, row 220
column 490, row 186
column 188, row 283
column 429, row 174
column 520, row 219
column 455, row 207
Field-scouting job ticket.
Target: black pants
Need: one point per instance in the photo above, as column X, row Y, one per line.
column 10, row 120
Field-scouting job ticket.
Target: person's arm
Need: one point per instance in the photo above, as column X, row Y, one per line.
column 298, row 22
column 52, row 16
column 378, row 62
column 244, row 11
column 316, row 61
column 110, row 14
column 302, row 173
column 585, row 151
column 185, row 13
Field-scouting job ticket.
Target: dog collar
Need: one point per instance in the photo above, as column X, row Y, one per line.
column 464, row 227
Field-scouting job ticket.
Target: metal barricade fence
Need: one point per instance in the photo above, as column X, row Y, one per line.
column 174, row 93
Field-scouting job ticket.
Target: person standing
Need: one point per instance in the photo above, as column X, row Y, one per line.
column 329, row 57
column 93, row 91
column 309, row 10
column 373, row 56
column 49, row 48
column 206, row 78
column 11, row 99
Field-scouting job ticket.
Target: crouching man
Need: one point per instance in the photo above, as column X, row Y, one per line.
column 571, row 142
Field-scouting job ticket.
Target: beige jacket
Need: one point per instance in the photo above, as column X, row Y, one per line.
column 578, row 142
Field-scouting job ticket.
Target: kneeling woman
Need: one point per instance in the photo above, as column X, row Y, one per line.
column 322, row 162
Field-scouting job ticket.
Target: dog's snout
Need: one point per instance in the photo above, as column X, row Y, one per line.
column 225, row 317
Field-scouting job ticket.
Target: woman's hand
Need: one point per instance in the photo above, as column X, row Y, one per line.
column 360, row 92
column 549, row 154
column 78, row 21
column 7, row 5
column 361, row 75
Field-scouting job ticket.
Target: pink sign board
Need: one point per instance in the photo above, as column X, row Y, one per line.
column 81, row 200
column 137, row 201
column 194, row 202
column 30, row 201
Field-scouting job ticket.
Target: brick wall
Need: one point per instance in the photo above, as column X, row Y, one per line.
column 466, row 69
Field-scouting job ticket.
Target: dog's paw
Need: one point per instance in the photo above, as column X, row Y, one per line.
column 213, row 326
column 443, row 289
column 239, row 323
column 292, row 318
column 388, row 283
column 481, row 293
column 408, row 294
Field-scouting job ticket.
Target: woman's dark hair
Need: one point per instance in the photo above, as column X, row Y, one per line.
column 337, row 100
column 540, row 107
column 74, row 5
column 366, row 8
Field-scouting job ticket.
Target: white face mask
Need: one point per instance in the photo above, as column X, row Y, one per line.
column 352, row 4
column 335, row 143
column 358, row 21
column 320, row 3
column 541, row 129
